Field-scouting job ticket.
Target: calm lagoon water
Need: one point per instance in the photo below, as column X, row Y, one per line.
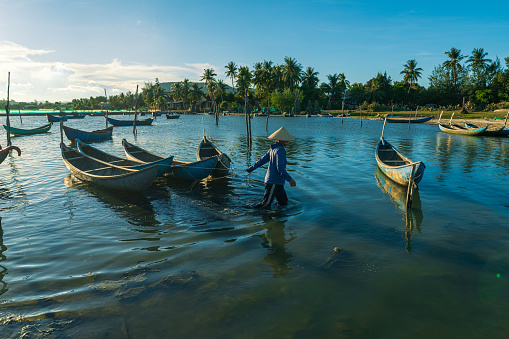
column 193, row 259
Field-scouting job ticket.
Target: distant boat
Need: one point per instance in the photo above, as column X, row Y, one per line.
column 163, row 165
column 54, row 118
column 172, row 116
column 407, row 120
column 207, row 150
column 495, row 131
column 74, row 116
column 106, row 175
column 395, row 165
column 23, row 131
column 101, row 134
column 456, row 129
column 5, row 151
column 141, row 122
column 180, row 169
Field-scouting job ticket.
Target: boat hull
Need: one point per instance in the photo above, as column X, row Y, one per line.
column 462, row 130
column 206, row 150
column 193, row 171
column 22, row 131
column 53, row 118
column 142, row 122
column 73, row 134
column 396, row 166
column 409, row 120
column 105, row 175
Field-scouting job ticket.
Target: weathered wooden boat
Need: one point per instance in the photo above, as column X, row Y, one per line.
column 456, row 129
column 101, row 134
column 141, row 122
column 207, row 150
column 24, row 131
column 408, row 120
column 492, row 131
column 172, row 116
column 4, row 152
column 54, row 118
column 163, row 165
column 396, row 166
column 75, row 116
column 180, row 169
column 106, row 175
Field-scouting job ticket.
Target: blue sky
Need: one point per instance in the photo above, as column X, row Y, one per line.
column 57, row 50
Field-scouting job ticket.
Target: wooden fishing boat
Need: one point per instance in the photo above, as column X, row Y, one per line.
column 180, row 169
column 106, row 175
column 23, row 131
column 4, row 152
column 75, row 116
column 492, row 131
column 408, row 120
column 54, row 118
column 101, row 134
column 396, row 166
column 163, row 165
column 172, row 116
column 456, row 129
column 141, row 122
column 207, row 150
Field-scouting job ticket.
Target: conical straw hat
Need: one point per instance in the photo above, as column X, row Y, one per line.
column 282, row 134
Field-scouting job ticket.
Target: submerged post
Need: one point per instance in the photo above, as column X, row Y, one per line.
column 8, row 123
column 450, row 120
column 20, row 120
column 507, row 115
column 135, row 111
column 410, row 191
column 61, row 131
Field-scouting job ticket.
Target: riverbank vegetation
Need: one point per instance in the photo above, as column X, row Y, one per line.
column 461, row 83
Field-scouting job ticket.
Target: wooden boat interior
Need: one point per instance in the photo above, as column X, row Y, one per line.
column 388, row 155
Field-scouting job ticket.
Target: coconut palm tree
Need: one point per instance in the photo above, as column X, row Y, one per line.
column 453, row 64
column 231, row 72
column 411, row 72
column 209, row 77
column 292, row 72
column 310, row 77
column 195, row 95
column 479, row 64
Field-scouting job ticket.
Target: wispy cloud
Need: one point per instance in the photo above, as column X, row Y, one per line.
column 58, row 81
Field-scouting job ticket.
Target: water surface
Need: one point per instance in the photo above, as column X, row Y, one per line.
column 189, row 259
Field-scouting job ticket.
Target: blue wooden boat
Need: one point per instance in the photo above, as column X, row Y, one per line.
column 172, row 116
column 107, row 175
column 101, row 134
column 23, row 131
column 4, row 152
column 408, row 120
column 76, row 116
column 180, row 169
column 206, row 149
column 460, row 130
column 492, row 131
column 54, row 118
column 141, row 122
column 396, row 166
column 163, row 165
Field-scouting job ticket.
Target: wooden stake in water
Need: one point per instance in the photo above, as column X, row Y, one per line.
column 361, row 117
column 440, row 116
column 410, row 191
column 61, row 131
column 106, row 107
column 8, row 123
column 135, row 110
column 20, row 120
column 383, row 129
column 507, row 115
column 450, row 120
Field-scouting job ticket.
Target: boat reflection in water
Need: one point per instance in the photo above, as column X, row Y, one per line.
column 412, row 216
column 134, row 207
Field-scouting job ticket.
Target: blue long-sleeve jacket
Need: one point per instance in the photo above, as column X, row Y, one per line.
column 276, row 173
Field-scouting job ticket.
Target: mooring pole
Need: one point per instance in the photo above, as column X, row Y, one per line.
column 135, row 111
column 410, row 191
column 8, row 123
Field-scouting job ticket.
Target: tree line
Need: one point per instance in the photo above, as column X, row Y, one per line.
column 481, row 82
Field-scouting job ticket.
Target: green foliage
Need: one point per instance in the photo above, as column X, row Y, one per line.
column 285, row 100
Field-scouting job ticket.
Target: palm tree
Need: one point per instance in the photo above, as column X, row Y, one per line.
column 292, row 72
column 453, row 64
column 209, row 77
column 411, row 72
column 220, row 89
column 310, row 77
column 232, row 72
column 479, row 65
column 195, row 95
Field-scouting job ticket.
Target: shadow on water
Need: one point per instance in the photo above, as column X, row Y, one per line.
column 134, row 207
column 3, row 269
column 412, row 216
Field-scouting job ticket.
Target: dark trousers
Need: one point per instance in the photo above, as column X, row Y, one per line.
column 273, row 191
